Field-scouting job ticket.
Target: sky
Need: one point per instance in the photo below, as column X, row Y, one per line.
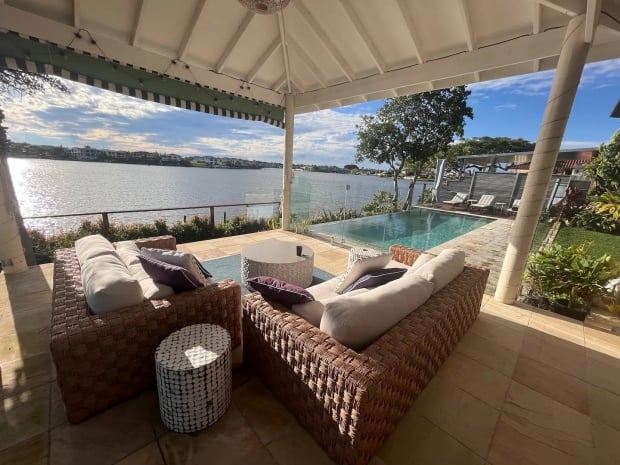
column 510, row 107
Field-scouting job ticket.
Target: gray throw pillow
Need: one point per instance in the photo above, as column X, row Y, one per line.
column 376, row 278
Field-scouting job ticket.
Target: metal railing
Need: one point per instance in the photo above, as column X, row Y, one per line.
column 105, row 218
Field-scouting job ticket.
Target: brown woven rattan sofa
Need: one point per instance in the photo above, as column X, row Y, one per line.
column 350, row 401
column 104, row 359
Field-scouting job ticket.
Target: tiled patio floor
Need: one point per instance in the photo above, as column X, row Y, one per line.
column 522, row 387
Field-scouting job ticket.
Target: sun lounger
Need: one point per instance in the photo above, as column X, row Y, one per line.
column 459, row 199
column 486, row 201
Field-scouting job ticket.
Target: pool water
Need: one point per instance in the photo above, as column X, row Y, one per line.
column 419, row 228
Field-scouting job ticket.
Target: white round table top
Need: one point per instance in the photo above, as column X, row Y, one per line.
column 192, row 347
column 276, row 251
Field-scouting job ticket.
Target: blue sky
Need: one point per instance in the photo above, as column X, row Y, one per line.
column 511, row 107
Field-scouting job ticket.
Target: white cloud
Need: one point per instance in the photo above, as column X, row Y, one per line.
column 581, row 144
column 506, row 106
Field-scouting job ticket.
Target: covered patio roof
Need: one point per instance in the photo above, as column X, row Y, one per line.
column 327, row 53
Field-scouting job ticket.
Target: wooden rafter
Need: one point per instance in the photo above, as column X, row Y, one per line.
column 284, row 48
column 263, row 59
column 366, row 39
column 324, row 39
column 138, row 22
column 306, row 59
column 593, row 12
column 415, row 40
column 200, row 8
column 232, row 43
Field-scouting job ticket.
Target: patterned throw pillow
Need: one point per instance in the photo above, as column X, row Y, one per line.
column 376, row 278
column 174, row 276
column 360, row 268
column 280, row 291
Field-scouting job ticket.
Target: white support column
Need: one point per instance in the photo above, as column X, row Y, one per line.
column 568, row 73
column 11, row 250
column 289, row 121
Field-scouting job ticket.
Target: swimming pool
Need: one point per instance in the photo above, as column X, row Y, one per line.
column 419, row 228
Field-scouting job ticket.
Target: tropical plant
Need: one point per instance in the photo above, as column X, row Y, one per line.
column 570, row 273
column 412, row 128
column 604, row 170
column 589, row 218
column 380, row 203
column 484, row 145
column 608, row 204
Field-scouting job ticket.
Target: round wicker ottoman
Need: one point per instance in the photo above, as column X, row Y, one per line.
column 194, row 377
column 355, row 253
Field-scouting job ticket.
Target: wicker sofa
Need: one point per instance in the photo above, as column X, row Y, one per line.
column 104, row 359
column 350, row 401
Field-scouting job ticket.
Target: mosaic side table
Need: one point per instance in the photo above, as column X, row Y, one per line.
column 355, row 253
column 194, row 377
column 278, row 259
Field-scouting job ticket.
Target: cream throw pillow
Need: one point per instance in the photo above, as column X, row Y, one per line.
column 93, row 246
column 152, row 290
column 361, row 267
column 443, row 268
column 358, row 320
column 421, row 260
column 313, row 311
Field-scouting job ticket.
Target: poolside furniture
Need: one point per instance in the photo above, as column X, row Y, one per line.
column 500, row 207
column 355, row 253
column 514, row 207
column 102, row 360
column 485, row 201
column 459, row 199
column 350, row 401
column 278, row 259
column 194, row 377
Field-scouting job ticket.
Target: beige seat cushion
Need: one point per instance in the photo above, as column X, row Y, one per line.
column 108, row 285
column 358, row 320
column 443, row 268
column 313, row 311
column 152, row 290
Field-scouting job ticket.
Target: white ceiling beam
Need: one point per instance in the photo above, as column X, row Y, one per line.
column 285, row 57
column 466, row 20
column 593, row 12
column 411, row 28
column 303, row 56
column 138, row 22
column 570, row 8
column 263, row 59
column 536, row 25
column 198, row 11
column 232, row 43
column 30, row 24
column 609, row 23
column 324, row 39
column 366, row 39
column 280, row 82
column 76, row 14
column 519, row 50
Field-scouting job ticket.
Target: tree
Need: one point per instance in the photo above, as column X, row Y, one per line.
column 25, row 83
column 484, row 145
column 412, row 128
column 604, row 170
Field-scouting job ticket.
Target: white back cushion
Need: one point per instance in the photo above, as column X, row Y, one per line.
column 421, row 260
column 358, row 320
column 128, row 251
column 312, row 312
column 443, row 268
column 93, row 246
column 361, row 267
column 108, row 285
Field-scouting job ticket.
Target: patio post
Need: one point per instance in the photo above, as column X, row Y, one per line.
column 289, row 121
column 12, row 255
column 568, row 73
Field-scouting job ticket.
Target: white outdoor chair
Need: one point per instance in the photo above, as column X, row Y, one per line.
column 459, row 199
column 486, row 201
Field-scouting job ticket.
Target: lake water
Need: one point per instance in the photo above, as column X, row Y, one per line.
column 54, row 187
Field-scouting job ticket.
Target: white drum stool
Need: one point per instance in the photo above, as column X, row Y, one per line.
column 194, row 377
column 355, row 253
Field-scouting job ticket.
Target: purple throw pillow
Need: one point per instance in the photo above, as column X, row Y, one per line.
column 174, row 276
column 280, row 291
column 376, row 278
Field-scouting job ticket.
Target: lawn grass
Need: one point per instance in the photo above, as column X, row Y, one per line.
column 601, row 243
column 539, row 236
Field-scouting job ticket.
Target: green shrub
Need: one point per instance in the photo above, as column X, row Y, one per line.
column 589, row 218
column 382, row 202
column 569, row 273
